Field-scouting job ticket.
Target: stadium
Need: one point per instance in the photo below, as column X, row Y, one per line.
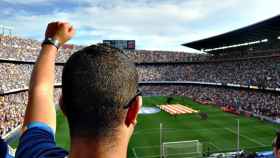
column 222, row 103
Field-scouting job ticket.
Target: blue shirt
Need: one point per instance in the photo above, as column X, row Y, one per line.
column 5, row 150
column 38, row 141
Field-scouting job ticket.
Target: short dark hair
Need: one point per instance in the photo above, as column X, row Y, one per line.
column 97, row 83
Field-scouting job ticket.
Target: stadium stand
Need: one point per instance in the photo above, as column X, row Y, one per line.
column 252, row 71
column 263, row 72
column 17, row 75
column 21, row 49
column 146, row 56
column 257, row 102
column 12, row 109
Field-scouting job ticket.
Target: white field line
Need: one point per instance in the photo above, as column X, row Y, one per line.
column 250, row 147
column 218, row 148
column 146, row 147
column 134, row 152
column 157, row 156
column 150, row 156
column 170, row 130
column 183, row 153
column 246, row 137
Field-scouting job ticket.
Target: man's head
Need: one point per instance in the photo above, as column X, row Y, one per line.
column 99, row 87
column 276, row 145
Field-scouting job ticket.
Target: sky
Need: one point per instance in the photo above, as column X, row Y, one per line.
column 154, row 24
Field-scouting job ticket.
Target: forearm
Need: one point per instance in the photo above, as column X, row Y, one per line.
column 43, row 73
column 40, row 106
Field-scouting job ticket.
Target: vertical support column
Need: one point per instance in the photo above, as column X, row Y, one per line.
column 238, row 136
column 160, row 140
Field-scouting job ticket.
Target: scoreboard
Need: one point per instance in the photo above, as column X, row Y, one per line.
column 121, row 44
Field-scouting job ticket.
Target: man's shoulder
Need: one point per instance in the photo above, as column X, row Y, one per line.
column 39, row 142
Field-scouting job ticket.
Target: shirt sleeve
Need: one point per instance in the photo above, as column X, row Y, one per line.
column 5, row 150
column 38, row 141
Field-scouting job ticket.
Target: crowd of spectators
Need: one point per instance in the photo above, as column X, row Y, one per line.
column 12, row 109
column 17, row 76
column 259, row 72
column 259, row 103
column 21, row 49
column 263, row 72
column 149, row 56
column 151, row 66
column 145, row 56
column 13, row 47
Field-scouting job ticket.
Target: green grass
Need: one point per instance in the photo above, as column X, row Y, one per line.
column 217, row 133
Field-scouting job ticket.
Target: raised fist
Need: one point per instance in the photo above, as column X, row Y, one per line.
column 61, row 31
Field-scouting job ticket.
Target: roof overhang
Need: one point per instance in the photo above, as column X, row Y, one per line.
column 267, row 29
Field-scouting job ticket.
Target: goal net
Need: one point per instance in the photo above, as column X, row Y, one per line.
column 181, row 149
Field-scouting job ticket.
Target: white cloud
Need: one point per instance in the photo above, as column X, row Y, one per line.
column 155, row 24
column 27, row 2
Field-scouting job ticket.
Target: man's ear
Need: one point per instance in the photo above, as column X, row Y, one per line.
column 277, row 153
column 132, row 113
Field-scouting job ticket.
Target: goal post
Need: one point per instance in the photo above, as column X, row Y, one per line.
column 192, row 148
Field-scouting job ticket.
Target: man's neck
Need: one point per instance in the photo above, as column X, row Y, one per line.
column 86, row 148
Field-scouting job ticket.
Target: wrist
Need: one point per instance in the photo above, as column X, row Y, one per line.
column 52, row 41
column 50, row 48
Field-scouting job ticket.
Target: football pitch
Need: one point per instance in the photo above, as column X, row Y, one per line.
column 218, row 133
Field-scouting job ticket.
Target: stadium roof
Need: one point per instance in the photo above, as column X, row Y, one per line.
column 266, row 29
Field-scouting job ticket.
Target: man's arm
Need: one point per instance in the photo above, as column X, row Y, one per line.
column 40, row 107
